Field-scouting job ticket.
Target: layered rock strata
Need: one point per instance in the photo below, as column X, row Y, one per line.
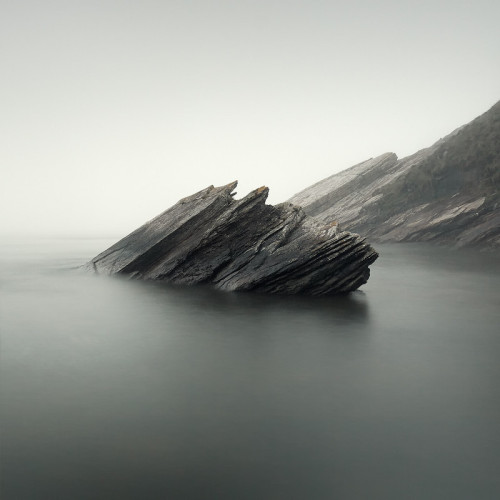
column 212, row 238
column 448, row 193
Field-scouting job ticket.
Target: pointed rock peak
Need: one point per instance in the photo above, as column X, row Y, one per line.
column 210, row 191
column 230, row 187
column 261, row 193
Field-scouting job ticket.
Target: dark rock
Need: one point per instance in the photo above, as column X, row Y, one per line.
column 448, row 193
column 212, row 238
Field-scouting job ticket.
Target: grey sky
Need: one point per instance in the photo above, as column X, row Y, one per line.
column 113, row 110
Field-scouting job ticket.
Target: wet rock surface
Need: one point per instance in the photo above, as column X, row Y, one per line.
column 244, row 244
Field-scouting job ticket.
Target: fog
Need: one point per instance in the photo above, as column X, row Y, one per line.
column 112, row 111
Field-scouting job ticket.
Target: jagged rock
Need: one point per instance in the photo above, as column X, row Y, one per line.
column 244, row 244
column 448, row 193
column 346, row 194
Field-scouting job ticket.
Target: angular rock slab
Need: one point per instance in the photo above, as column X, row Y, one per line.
column 209, row 237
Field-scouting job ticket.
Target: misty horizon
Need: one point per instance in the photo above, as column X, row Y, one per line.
column 113, row 113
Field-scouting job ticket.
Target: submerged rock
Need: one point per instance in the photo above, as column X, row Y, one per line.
column 209, row 237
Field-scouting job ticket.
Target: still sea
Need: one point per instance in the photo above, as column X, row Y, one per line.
column 119, row 389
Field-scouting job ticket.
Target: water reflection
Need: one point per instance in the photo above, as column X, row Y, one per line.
column 352, row 307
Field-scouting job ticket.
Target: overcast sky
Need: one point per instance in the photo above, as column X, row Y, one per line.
column 114, row 110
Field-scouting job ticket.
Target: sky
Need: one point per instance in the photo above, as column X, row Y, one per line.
column 111, row 111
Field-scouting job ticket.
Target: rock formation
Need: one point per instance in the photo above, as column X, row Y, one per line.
column 447, row 193
column 212, row 238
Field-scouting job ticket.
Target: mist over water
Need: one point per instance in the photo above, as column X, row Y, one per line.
column 133, row 390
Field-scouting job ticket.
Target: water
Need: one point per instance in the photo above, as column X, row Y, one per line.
column 129, row 390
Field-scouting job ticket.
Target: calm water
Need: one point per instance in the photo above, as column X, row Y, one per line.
column 129, row 390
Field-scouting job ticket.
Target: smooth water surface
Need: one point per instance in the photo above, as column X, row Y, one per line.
column 132, row 390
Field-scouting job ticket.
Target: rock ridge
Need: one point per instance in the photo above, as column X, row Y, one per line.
column 448, row 193
column 212, row 238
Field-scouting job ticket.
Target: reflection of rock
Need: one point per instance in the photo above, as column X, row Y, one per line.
column 210, row 237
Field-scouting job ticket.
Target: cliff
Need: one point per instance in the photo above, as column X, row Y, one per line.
column 209, row 237
column 447, row 193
